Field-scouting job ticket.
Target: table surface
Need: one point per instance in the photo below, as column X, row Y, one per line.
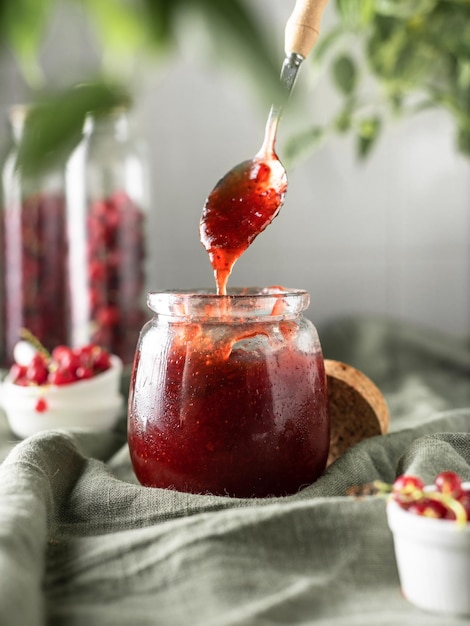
column 81, row 542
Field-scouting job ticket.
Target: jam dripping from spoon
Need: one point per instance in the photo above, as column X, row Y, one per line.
column 247, row 199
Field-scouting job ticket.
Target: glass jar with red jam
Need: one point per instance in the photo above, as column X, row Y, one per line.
column 107, row 199
column 228, row 394
column 33, row 233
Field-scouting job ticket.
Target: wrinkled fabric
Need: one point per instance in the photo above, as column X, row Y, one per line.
column 82, row 543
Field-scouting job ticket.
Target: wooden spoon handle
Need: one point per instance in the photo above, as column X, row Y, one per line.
column 303, row 27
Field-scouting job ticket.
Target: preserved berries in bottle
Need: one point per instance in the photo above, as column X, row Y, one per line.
column 73, row 253
column 106, row 187
column 34, row 290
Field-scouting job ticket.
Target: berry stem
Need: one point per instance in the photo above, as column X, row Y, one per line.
column 451, row 503
column 28, row 336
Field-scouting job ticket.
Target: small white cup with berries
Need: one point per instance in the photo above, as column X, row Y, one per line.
column 431, row 533
column 67, row 388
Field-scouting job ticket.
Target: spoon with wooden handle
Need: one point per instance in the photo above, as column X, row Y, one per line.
column 246, row 200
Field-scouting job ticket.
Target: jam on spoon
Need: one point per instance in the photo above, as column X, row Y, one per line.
column 246, row 200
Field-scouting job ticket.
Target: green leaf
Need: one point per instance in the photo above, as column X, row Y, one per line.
column 121, row 25
column 22, row 27
column 463, row 140
column 366, row 11
column 54, row 126
column 235, row 31
column 233, row 23
column 405, row 8
column 326, row 42
column 403, row 59
column 356, row 13
column 368, row 133
column 343, row 121
column 463, row 74
column 417, row 55
column 160, row 16
column 302, row 143
column 345, row 74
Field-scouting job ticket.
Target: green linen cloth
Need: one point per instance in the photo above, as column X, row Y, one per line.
column 81, row 543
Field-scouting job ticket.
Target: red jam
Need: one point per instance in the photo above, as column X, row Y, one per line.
column 243, row 416
column 242, row 205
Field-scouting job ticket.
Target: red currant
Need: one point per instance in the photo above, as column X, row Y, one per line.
column 94, row 358
column 407, row 488
column 61, row 376
column 85, row 355
column 18, row 374
column 84, row 372
column 97, row 271
column 37, row 372
column 428, row 507
column 66, row 358
column 64, row 366
column 108, row 316
column 101, row 360
column 464, row 500
column 449, row 483
column 41, row 405
column 449, row 500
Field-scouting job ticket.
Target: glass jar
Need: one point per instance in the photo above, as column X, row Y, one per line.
column 107, row 199
column 228, row 394
column 34, row 249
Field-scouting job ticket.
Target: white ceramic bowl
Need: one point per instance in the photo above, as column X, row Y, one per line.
column 95, row 403
column 433, row 559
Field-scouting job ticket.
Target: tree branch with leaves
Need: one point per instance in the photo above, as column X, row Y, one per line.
column 390, row 59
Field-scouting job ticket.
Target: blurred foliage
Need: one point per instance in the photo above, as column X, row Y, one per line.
column 54, row 126
column 126, row 29
column 391, row 58
column 386, row 58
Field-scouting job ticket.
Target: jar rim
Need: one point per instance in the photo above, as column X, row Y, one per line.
column 239, row 302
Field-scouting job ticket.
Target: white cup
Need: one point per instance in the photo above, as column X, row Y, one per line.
column 433, row 559
column 92, row 403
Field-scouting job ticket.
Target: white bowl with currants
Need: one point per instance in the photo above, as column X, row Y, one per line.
column 431, row 534
column 68, row 388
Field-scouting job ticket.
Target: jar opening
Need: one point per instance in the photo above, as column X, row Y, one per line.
column 239, row 303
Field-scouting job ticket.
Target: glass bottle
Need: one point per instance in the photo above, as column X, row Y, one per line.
column 34, row 248
column 228, row 394
column 107, row 198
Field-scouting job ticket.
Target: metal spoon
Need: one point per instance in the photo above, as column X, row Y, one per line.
column 246, row 200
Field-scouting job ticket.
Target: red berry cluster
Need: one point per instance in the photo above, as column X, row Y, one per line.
column 448, row 498
column 116, row 253
column 34, row 289
column 65, row 365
